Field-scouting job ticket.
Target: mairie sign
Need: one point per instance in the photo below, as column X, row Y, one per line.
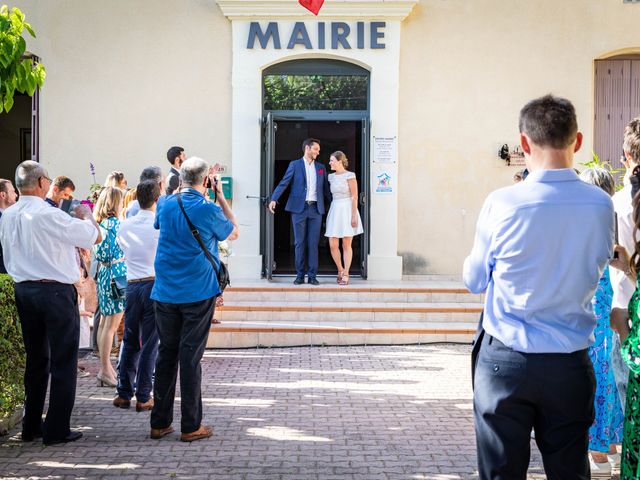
column 326, row 35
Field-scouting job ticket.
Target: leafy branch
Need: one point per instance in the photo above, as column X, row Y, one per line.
column 17, row 73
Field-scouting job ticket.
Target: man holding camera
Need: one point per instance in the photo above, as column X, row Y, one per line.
column 39, row 245
column 184, row 292
column 62, row 188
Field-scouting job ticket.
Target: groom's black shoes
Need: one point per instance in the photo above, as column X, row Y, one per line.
column 298, row 281
column 313, row 281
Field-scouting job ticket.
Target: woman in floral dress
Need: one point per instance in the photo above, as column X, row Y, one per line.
column 606, row 430
column 111, row 258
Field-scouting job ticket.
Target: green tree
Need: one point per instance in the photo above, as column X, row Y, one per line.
column 17, row 73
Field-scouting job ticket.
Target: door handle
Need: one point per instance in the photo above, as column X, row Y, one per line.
column 262, row 199
column 363, row 198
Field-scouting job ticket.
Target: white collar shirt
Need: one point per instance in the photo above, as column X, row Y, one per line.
column 310, row 172
column 138, row 239
column 39, row 242
column 623, row 288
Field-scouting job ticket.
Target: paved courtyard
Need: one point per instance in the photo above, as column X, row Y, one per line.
column 397, row 412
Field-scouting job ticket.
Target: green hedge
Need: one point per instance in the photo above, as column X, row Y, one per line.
column 12, row 357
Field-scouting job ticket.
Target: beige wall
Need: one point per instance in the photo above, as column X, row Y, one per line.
column 128, row 79
column 467, row 67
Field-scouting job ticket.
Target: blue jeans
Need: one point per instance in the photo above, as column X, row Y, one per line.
column 306, row 231
column 139, row 345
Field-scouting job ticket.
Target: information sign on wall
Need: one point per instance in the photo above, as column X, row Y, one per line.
column 384, row 149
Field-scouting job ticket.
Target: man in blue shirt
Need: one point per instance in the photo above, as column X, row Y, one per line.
column 184, row 292
column 540, row 248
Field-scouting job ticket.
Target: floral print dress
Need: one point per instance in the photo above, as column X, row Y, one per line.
column 608, row 422
column 109, row 252
column 629, row 469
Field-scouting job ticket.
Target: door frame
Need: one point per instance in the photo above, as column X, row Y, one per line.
column 267, row 170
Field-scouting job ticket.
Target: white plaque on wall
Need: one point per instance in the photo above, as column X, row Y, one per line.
column 384, row 149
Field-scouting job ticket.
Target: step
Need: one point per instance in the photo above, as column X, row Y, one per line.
column 277, row 313
column 349, row 311
column 358, row 292
column 278, row 334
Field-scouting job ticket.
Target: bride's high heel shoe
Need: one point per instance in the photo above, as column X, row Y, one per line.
column 339, row 278
column 105, row 381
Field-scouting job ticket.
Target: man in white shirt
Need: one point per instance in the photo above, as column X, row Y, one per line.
column 149, row 173
column 623, row 288
column 139, row 240
column 8, row 197
column 39, row 245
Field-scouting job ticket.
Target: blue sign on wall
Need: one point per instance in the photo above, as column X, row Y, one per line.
column 332, row 35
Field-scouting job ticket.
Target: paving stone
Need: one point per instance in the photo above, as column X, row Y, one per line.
column 347, row 413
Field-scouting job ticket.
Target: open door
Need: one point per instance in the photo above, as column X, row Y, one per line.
column 270, row 128
column 363, row 203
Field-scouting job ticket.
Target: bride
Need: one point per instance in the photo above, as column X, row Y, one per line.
column 343, row 219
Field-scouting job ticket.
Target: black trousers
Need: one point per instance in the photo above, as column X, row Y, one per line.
column 515, row 392
column 50, row 323
column 183, row 330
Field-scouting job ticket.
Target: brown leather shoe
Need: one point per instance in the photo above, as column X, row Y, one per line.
column 202, row 432
column 158, row 433
column 121, row 402
column 143, row 406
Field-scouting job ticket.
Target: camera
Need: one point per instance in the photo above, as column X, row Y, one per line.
column 69, row 205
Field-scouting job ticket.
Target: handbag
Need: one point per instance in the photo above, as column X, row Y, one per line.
column 222, row 273
column 118, row 285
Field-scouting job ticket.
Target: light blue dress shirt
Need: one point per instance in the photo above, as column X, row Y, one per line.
column 540, row 248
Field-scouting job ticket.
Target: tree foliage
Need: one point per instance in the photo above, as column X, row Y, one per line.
column 17, row 73
column 315, row 92
column 12, row 355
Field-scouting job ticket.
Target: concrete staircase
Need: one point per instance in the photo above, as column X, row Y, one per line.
column 278, row 313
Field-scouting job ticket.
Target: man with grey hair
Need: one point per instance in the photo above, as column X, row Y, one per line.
column 8, row 197
column 39, row 245
column 184, row 292
column 149, row 173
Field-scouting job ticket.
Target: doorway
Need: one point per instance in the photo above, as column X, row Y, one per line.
column 344, row 135
column 313, row 98
column 16, row 136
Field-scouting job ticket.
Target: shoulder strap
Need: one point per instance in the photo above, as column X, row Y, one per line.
column 196, row 234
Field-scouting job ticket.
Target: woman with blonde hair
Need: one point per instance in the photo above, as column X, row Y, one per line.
column 128, row 198
column 112, row 268
column 116, row 179
column 343, row 219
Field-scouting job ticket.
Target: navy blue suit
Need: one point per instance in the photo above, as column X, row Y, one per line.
column 306, row 217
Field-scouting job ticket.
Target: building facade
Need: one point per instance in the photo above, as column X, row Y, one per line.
column 420, row 94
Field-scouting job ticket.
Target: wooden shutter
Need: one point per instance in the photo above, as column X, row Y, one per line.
column 617, row 101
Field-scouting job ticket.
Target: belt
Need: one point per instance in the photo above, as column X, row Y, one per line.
column 141, row 280
column 310, row 202
column 46, row 281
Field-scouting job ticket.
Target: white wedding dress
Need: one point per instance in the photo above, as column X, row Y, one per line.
column 339, row 216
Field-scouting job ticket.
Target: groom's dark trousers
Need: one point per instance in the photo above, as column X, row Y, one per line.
column 306, row 231
column 514, row 392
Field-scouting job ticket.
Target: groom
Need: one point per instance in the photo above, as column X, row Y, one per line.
column 309, row 187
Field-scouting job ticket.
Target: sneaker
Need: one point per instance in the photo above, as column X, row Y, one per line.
column 599, row 470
